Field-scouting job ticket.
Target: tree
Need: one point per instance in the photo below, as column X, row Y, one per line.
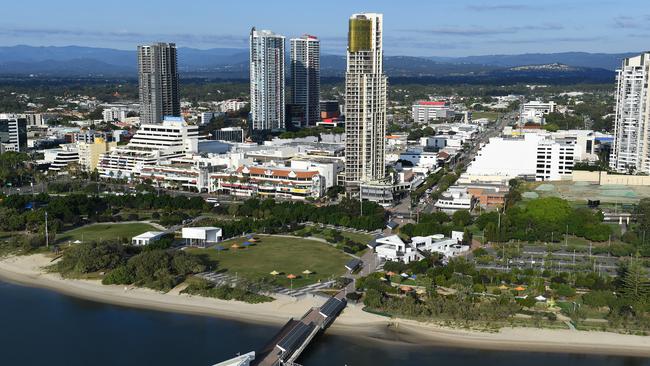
column 634, row 286
column 461, row 218
column 372, row 299
column 97, row 113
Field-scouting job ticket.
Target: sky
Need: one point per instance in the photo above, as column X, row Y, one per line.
column 412, row 28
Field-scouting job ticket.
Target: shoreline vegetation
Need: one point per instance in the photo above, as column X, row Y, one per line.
column 30, row 271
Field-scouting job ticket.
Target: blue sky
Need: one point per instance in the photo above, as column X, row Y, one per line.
column 419, row 28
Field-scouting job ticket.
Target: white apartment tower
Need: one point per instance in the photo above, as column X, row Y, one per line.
column 158, row 82
column 305, row 78
column 267, row 80
column 365, row 101
column 630, row 150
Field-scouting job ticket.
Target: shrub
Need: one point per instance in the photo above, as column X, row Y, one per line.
column 119, row 276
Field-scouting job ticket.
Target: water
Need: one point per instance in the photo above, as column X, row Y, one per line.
column 40, row 327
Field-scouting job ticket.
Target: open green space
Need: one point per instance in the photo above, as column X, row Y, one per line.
column 580, row 192
column 492, row 116
column 358, row 237
column 97, row 232
column 284, row 255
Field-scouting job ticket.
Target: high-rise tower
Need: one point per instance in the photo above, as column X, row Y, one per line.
column 365, row 101
column 267, row 80
column 158, row 82
column 305, row 78
column 631, row 147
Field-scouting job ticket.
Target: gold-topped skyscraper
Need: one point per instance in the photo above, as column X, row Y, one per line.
column 365, row 103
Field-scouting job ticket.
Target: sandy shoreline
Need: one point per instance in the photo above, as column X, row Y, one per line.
column 27, row 270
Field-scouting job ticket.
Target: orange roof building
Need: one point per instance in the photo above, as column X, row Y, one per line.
column 247, row 181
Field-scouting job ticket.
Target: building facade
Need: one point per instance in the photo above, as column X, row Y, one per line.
column 630, row 151
column 158, row 82
column 424, row 111
column 62, row 157
column 365, row 101
column 267, row 85
column 230, row 134
column 89, row 152
column 13, row 133
column 535, row 111
column 150, row 145
column 305, row 78
column 274, row 182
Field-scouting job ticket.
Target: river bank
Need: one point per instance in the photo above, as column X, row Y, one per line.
column 28, row 270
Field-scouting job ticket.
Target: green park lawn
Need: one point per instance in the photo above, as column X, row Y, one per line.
column 358, row 237
column 492, row 116
column 95, row 232
column 284, row 255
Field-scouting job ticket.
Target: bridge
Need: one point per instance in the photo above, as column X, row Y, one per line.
column 294, row 337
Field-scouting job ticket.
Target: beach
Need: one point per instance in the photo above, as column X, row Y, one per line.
column 28, row 270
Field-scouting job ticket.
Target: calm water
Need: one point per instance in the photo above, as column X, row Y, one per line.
column 39, row 327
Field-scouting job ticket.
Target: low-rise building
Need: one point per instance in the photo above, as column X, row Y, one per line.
column 201, row 236
column 62, row 157
column 455, row 199
column 420, row 158
column 268, row 181
column 393, row 248
column 447, row 247
column 230, row 134
column 488, row 195
column 535, row 111
column 147, row 238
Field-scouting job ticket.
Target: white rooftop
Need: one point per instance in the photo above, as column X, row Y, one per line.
column 148, row 235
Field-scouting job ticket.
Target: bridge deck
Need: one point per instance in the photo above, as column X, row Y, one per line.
column 295, row 336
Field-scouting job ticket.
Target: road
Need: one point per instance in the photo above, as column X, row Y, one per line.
column 403, row 208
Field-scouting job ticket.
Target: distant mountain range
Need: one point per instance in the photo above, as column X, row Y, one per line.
column 232, row 63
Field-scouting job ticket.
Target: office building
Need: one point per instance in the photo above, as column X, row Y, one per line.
column 305, row 78
column 13, row 133
column 34, row 119
column 630, row 150
column 294, row 115
column 61, row 157
column 330, row 109
column 230, row 134
column 158, row 82
column 425, row 111
column 267, row 80
column 230, row 105
column 365, row 102
column 540, row 156
column 535, row 111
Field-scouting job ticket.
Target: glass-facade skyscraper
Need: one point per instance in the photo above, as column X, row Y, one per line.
column 305, row 78
column 365, row 102
column 158, row 82
column 267, row 85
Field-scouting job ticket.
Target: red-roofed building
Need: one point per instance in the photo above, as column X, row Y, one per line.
column 424, row 111
column 280, row 182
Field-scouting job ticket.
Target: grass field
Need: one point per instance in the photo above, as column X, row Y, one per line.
column 358, row 237
column 492, row 116
column 284, row 255
column 104, row 231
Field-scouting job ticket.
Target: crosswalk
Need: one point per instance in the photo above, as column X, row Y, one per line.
column 221, row 279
